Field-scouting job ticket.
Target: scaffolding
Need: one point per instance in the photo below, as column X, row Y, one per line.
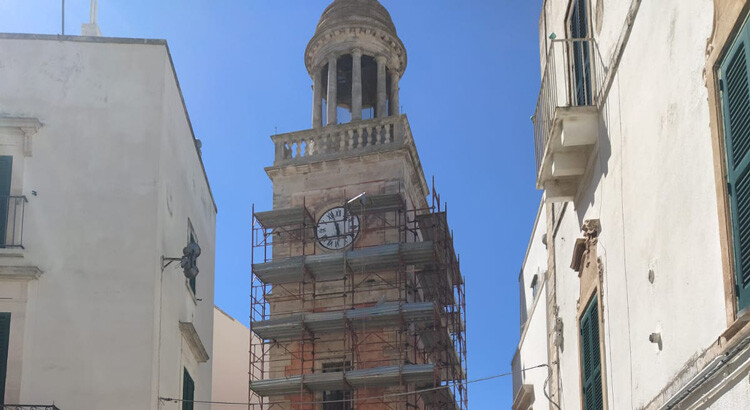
column 378, row 324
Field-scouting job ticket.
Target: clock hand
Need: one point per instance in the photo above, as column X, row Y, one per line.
column 338, row 231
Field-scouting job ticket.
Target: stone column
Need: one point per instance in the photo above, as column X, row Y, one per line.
column 332, row 90
column 317, row 114
column 380, row 111
column 394, row 93
column 356, row 84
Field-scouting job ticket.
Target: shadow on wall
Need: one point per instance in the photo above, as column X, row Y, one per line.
column 600, row 168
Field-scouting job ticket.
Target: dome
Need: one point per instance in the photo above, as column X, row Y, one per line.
column 355, row 24
column 346, row 13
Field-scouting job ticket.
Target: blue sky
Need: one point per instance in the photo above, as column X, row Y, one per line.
column 469, row 91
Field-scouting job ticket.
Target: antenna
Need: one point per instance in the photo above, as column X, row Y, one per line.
column 63, row 17
column 94, row 11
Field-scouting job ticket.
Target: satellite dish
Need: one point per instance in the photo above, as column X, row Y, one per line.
column 189, row 261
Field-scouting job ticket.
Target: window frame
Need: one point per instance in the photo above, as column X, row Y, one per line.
column 6, row 316
column 735, row 300
column 187, row 382
column 591, row 306
column 331, row 367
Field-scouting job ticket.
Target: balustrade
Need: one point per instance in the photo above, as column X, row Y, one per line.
column 339, row 140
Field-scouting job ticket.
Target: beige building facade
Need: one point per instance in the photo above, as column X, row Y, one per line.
column 640, row 130
column 102, row 180
column 231, row 364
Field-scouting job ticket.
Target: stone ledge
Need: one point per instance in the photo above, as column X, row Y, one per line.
column 27, row 128
column 20, row 272
column 12, row 253
column 524, row 398
column 194, row 341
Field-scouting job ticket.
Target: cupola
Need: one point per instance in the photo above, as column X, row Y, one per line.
column 355, row 59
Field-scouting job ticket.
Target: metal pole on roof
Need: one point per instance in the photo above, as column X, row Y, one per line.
column 63, row 17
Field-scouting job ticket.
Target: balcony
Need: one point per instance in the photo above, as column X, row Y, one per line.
column 12, row 209
column 566, row 121
column 343, row 140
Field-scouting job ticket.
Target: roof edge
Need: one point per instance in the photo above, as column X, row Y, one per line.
column 82, row 39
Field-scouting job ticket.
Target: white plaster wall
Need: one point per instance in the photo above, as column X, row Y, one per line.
column 535, row 262
column 533, row 352
column 532, row 348
column 98, row 317
column 652, row 187
column 567, row 288
column 183, row 195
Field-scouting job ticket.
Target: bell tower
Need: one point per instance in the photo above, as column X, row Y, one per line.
column 357, row 298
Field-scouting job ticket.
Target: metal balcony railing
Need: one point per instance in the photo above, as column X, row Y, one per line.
column 573, row 77
column 28, row 407
column 12, row 209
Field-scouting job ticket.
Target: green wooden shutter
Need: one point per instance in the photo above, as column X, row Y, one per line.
column 593, row 398
column 581, row 75
column 735, row 93
column 188, row 390
column 4, row 339
column 6, row 168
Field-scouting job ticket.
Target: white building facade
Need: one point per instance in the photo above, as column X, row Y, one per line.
column 101, row 180
column 640, row 250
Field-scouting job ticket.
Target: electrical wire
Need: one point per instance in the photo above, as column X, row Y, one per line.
column 359, row 399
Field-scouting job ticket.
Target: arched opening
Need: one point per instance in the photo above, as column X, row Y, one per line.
column 344, row 89
column 369, row 87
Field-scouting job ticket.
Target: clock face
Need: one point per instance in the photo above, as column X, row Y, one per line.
column 337, row 228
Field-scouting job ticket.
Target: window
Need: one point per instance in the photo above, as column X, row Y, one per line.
column 188, row 390
column 4, row 339
column 337, row 397
column 591, row 358
column 581, row 73
column 6, row 167
column 734, row 74
column 534, row 286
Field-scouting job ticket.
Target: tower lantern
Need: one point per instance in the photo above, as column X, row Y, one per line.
column 355, row 60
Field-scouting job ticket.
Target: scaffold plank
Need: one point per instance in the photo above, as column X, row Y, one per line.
column 335, row 266
column 419, row 374
column 374, row 317
column 284, row 217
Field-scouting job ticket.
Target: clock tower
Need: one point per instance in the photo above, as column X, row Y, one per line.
column 357, row 296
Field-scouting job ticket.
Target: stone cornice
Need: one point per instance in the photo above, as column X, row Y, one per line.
column 27, row 126
column 194, row 341
column 20, row 272
column 524, row 397
column 397, row 58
